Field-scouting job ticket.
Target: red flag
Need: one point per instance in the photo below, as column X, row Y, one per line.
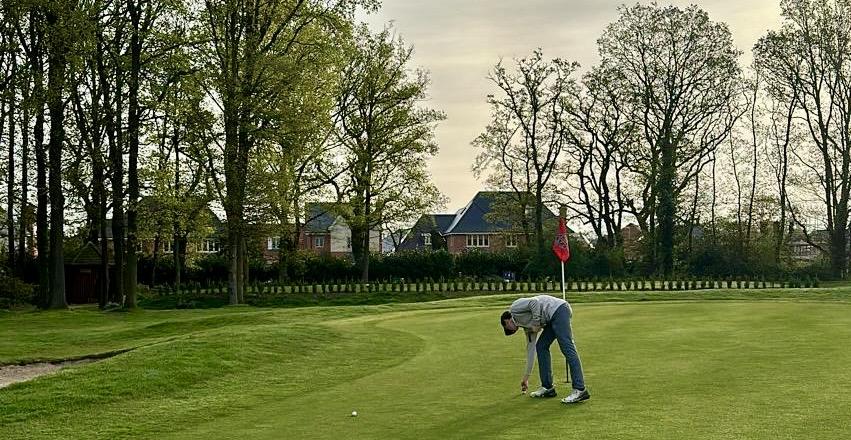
column 560, row 246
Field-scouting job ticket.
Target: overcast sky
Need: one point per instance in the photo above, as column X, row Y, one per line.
column 459, row 41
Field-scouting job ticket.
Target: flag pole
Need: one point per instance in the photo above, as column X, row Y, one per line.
column 562, row 213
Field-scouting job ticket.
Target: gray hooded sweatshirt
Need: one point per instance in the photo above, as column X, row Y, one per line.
column 533, row 314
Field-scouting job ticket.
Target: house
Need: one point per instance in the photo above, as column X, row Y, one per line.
column 803, row 250
column 421, row 234
column 325, row 232
column 390, row 241
column 209, row 240
column 82, row 273
column 631, row 235
column 488, row 223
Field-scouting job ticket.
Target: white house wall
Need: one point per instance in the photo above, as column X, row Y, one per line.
column 341, row 237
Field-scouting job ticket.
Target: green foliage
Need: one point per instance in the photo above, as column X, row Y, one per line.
column 413, row 265
column 14, row 292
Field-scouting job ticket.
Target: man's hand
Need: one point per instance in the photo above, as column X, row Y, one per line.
column 535, row 328
column 524, row 384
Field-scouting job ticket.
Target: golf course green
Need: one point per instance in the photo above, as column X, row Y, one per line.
column 701, row 369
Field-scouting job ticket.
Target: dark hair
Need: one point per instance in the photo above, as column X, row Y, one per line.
column 506, row 315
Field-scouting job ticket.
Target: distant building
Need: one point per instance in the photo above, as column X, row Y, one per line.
column 479, row 226
column 325, row 232
column 803, row 251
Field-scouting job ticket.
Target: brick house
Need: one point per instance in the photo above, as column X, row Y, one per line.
column 325, row 232
column 477, row 226
column 427, row 227
column 208, row 240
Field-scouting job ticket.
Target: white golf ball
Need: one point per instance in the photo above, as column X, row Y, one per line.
column 354, row 413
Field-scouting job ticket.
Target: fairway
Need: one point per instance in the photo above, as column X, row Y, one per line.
column 656, row 370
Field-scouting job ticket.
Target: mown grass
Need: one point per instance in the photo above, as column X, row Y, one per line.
column 757, row 367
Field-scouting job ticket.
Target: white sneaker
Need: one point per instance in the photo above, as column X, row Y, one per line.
column 576, row 396
column 543, row 392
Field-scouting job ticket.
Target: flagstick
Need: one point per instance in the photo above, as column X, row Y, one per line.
column 566, row 365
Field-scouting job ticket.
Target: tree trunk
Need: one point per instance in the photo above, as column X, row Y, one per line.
column 176, row 247
column 366, row 231
column 116, row 155
column 42, row 228
column 244, row 266
column 155, row 259
column 24, row 219
column 10, row 184
column 233, row 201
column 57, row 63
column 103, row 279
column 839, row 242
column 134, row 9
column 99, row 196
column 233, row 250
column 539, row 221
column 667, row 207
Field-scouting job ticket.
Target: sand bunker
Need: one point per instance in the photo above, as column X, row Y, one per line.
column 10, row 374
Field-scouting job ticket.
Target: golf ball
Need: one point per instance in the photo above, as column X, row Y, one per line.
column 354, row 413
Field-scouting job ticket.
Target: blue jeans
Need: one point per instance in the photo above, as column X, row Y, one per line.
column 559, row 328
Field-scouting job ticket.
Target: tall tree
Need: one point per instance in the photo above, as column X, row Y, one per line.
column 175, row 172
column 113, row 80
column 59, row 17
column 808, row 61
column 149, row 41
column 386, row 137
column 295, row 164
column 91, row 110
column 783, row 136
column 528, row 131
column 32, row 35
column 678, row 72
column 25, row 217
column 598, row 152
column 8, row 70
column 247, row 39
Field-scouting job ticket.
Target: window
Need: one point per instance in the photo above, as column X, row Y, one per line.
column 168, row 246
column 427, row 239
column 349, row 242
column 318, row 242
column 273, row 243
column 804, row 250
column 209, row 246
column 139, row 248
column 478, row 240
column 511, row 240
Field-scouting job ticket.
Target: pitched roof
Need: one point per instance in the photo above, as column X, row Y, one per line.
column 320, row 216
column 443, row 221
column 472, row 218
column 88, row 255
column 425, row 224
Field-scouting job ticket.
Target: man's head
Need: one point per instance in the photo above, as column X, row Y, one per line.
column 508, row 324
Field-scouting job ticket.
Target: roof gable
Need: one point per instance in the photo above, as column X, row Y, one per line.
column 320, row 216
column 474, row 217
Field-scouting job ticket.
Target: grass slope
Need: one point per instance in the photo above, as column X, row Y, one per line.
column 657, row 370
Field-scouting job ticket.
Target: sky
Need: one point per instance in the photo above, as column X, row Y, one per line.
column 460, row 41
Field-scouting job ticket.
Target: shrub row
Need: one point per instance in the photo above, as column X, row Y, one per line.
column 261, row 289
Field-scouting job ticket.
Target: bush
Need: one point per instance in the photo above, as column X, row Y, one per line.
column 14, row 292
column 413, row 265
